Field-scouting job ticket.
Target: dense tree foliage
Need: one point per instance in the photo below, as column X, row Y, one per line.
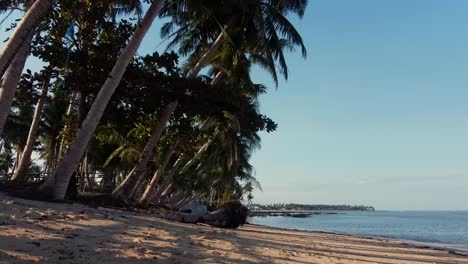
column 193, row 134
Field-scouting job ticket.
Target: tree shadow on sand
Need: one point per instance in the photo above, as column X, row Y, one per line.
column 34, row 231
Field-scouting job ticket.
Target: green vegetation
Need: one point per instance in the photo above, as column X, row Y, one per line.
column 145, row 128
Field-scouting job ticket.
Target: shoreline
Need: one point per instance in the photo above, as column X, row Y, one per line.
column 419, row 244
column 437, row 245
column 41, row 232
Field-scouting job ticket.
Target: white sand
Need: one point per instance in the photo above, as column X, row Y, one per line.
column 38, row 232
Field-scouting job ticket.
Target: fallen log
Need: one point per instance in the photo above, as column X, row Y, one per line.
column 231, row 214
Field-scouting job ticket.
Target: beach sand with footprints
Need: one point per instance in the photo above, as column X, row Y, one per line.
column 40, row 232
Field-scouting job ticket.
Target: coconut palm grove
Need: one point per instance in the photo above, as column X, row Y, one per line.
column 163, row 129
column 128, row 130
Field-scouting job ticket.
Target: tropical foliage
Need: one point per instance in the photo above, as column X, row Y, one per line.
column 163, row 134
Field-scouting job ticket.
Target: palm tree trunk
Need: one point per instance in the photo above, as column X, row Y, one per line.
column 174, row 199
column 74, row 96
column 199, row 153
column 124, row 194
column 219, row 76
column 11, row 79
column 164, row 186
column 23, row 166
column 125, row 188
column 136, row 187
column 163, row 190
column 209, row 54
column 25, row 29
column 58, row 182
column 147, row 196
column 120, row 191
column 191, row 199
column 51, row 156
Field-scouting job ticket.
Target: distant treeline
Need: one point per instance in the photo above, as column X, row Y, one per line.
column 304, row 207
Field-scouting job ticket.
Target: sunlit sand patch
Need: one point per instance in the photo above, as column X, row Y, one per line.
column 76, row 234
column 22, row 256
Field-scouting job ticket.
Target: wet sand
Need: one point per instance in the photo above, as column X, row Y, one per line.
column 39, row 232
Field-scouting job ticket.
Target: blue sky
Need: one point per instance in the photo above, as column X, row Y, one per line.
column 378, row 112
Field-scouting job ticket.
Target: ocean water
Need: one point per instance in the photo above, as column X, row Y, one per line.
column 441, row 229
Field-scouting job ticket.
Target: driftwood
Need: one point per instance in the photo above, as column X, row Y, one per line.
column 230, row 214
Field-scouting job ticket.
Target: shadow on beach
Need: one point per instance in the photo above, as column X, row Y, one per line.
column 34, row 231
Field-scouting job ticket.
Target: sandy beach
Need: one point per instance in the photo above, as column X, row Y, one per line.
column 39, row 232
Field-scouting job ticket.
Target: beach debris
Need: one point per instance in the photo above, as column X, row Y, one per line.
column 231, row 214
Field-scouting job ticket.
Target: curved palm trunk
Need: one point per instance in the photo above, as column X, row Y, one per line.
column 126, row 187
column 192, row 199
column 167, row 181
column 51, row 154
column 199, row 153
column 174, row 199
column 166, row 184
column 11, row 79
column 209, row 54
column 57, row 184
column 21, row 35
column 23, row 166
column 148, row 195
column 219, row 76
column 62, row 146
column 132, row 196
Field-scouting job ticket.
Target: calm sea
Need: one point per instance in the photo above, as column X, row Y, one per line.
column 442, row 229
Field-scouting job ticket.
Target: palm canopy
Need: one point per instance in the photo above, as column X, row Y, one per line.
column 259, row 28
column 126, row 7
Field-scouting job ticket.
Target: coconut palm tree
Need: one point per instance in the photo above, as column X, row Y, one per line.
column 23, row 165
column 259, row 28
column 149, row 192
column 11, row 79
column 57, row 184
column 25, row 28
column 15, row 68
column 188, row 14
column 124, row 189
column 52, row 124
column 202, row 57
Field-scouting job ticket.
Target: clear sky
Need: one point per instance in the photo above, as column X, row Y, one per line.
column 378, row 112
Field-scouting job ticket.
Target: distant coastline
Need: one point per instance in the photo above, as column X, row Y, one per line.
column 302, row 210
column 310, row 207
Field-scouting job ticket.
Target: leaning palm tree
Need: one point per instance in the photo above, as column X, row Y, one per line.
column 57, row 184
column 25, row 28
column 125, row 189
column 20, row 174
column 150, row 190
column 259, row 28
column 11, row 79
column 206, row 40
column 13, row 75
column 14, row 69
column 52, row 124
